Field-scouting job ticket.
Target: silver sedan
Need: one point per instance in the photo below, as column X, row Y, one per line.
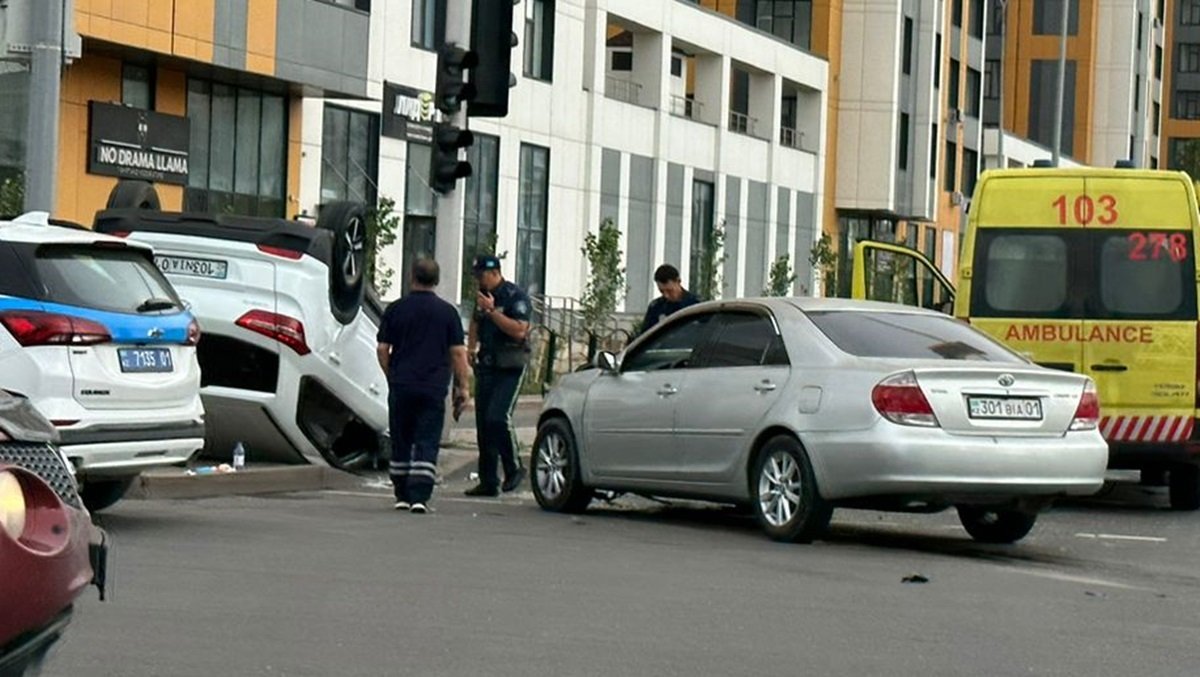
column 792, row 407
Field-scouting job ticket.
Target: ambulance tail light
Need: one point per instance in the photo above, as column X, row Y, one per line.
column 1087, row 414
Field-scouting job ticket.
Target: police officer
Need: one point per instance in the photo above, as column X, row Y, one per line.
column 500, row 328
column 420, row 343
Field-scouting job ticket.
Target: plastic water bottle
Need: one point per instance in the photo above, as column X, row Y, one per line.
column 239, row 456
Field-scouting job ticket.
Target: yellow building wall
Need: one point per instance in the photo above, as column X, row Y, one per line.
column 182, row 28
column 827, row 42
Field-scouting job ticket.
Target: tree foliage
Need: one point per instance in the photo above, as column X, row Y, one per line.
column 606, row 275
column 781, row 278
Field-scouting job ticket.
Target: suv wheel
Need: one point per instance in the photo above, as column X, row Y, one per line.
column 347, row 221
column 100, row 494
column 134, row 195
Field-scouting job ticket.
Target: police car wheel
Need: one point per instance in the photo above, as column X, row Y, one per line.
column 557, row 482
column 131, row 194
column 1184, row 487
column 347, row 221
column 989, row 525
column 100, row 494
column 784, row 494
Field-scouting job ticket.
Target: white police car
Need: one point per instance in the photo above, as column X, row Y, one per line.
column 94, row 335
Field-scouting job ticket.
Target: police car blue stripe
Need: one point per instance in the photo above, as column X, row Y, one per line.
column 124, row 327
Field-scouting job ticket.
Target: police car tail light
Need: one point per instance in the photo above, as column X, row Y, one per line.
column 1087, row 414
column 37, row 328
column 899, row 399
column 287, row 330
column 193, row 334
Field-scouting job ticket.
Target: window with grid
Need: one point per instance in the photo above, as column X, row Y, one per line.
column 532, row 218
column 539, row 39
column 991, row 79
column 428, row 23
column 349, row 155
column 1189, row 57
column 1189, row 12
column 1187, row 104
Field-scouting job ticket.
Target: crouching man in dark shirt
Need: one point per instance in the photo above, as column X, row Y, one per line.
column 420, row 343
column 674, row 297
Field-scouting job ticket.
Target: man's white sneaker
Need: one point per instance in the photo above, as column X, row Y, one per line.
column 402, row 505
column 419, row 508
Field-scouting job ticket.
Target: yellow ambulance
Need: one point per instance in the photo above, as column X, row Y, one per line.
column 1086, row 270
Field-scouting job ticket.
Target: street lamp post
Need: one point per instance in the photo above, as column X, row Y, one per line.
column 45, row 85
column 1062, row 84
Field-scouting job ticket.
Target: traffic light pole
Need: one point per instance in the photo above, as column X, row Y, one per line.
column 45, row 81
column 449, row 234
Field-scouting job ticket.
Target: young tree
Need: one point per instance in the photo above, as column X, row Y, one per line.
column 781, row 278
column 606, row 275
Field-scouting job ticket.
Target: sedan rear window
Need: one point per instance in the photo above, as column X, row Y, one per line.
column 118, row 280
column 908, row 336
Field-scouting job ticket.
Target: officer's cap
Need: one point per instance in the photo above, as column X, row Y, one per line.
column 485, row 262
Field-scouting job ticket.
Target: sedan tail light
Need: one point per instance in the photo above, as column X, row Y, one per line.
column 899, row 399
column 1087, row 414
column 287, row 330
column 37, row 328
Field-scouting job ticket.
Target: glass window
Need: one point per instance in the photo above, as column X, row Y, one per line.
column 1024, row 274
column 951, row 176
column 789, row 20
column 937, row 61
column 957, row 12
column 991, row 79
column 672, row 345
column 1043, row 90
column 532, row 218
column 1158, row 62
column 622, row 61
column 903, row 161
column 934, row 144
column 419, row 198
column 349, row 155
column 1189, row 12
column 908, row 336
column 974, row 90
column 238, row 159
column 977, row 18
column 703, row 204
column 1187, row 104
column 118, row 280
column 137, row 86
column 1147, row 275
column 539, row 39
column 744, row 340
column 954, row 80
column 1189, row 57
column 970, row 171
column 479, row 206
column 1047, row 17
column 908, row 45
column 996, row 24
column 14, row 92
column 428, row 23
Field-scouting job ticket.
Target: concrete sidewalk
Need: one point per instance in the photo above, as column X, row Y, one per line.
column 458, row 457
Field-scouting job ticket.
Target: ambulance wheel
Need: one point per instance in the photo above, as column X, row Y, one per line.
column 1184, row 487
column 132, row 194
column 100, row 494
column 347, row 271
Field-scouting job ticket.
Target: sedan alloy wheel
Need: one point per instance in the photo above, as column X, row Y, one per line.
column 785, row 496
column 557, row 483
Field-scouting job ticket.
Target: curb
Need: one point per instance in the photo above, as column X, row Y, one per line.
column 172, row 483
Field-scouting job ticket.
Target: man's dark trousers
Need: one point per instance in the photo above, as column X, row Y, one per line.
column 495, row 398
column 416, row 426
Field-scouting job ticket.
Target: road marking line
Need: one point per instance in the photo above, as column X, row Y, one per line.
column 1120, row 537
column 1071, row 578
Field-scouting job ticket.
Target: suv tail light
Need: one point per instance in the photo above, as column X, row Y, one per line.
column 1087, row 414
column 287, row 330
column 38, row 328
column 281, row 252
column 899, row 399
column 193, row 334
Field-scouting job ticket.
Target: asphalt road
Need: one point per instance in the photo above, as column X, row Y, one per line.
column 335, row 583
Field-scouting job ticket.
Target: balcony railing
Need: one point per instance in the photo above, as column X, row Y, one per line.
column 792, row 138
column 623, row 90
column 683, row 107
column 742, row 123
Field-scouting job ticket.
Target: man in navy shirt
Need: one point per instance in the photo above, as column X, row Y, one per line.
column 674, row 297
column 420, row 342
column 500, row 327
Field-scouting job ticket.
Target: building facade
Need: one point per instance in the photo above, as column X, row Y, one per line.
column 671, row 119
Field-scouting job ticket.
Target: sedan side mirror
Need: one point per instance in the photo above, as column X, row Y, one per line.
column 606, row 361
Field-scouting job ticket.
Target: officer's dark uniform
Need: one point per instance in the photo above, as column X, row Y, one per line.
column 499, row 370
column 421, row 328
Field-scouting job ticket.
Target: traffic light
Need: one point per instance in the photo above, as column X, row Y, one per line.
column 451, row 91
column 445, row 168
column 492, row 40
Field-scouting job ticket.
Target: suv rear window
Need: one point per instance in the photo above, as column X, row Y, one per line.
column 1078, row 273
column 908, row 336
column 119, row 280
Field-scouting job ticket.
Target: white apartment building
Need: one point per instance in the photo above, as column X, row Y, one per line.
column 662, row 115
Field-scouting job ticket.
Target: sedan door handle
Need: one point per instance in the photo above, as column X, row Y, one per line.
column 765, row 387
column 1109, row 367
column 668, row 390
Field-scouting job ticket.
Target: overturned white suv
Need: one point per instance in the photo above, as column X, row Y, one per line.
column 287, row 350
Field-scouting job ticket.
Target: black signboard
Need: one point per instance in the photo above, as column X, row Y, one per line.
column 408, row 113
column 131, row 143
